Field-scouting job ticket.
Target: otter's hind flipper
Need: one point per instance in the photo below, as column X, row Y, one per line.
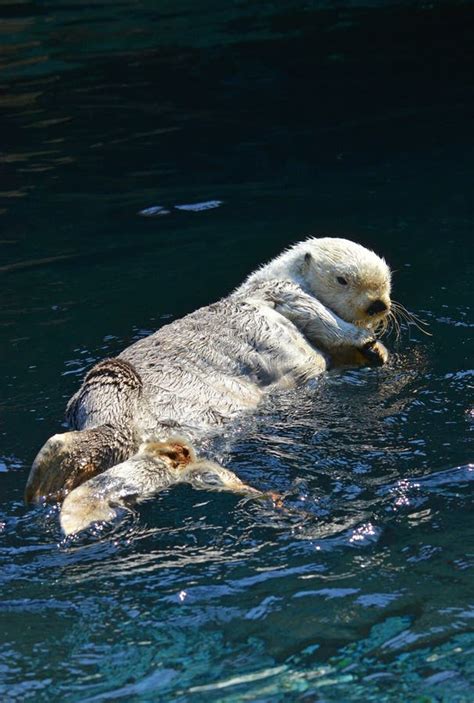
column 156, row 466
column 99, row 498
column 69, row 459
column 102, row 415
column 209, row 476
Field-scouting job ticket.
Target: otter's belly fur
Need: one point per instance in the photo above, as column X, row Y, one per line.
column 211, row 365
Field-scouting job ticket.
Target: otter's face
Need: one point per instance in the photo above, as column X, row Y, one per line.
column 350, row 280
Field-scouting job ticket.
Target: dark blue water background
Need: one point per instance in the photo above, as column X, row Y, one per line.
column 348, row 118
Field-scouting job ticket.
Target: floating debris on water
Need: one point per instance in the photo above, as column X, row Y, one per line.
column 154, row 211
column 197, row 207
column 159, row 210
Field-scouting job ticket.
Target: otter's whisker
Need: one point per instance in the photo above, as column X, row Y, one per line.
column 400, row 319
column 397, row 325
column 394, row 325
column 380, row 327
column 410, row 318
column 411, row 315
column 420, row 328
column 389, row 324
column 404, row 320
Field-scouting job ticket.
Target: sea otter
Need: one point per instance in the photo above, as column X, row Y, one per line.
column 319, row 304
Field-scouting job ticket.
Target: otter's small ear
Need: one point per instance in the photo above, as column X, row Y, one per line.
column 307, row 260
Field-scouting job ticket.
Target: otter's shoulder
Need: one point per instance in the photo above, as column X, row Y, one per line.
column 271, row 291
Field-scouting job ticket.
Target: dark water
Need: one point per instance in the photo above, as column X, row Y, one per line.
column 349, row 119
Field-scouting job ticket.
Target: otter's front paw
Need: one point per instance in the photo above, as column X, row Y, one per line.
column 370, row 353
column 374, row 353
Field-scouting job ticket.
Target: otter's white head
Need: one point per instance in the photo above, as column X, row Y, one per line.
column 347, row 278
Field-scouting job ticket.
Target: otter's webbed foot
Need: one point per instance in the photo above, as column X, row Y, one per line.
column 154, row 468
column 69, row 459
column 104, row 405
column 207, row 475
column 157, row 465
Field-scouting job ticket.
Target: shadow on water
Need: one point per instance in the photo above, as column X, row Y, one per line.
column 297, row 118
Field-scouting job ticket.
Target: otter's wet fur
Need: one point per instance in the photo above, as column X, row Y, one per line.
column 316, row 305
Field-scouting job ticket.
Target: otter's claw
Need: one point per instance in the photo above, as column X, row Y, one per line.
column 375, row 353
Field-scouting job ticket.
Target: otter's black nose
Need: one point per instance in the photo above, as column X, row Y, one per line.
column 375, row 307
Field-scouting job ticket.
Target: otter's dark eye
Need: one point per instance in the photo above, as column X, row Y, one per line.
column 342, row 281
